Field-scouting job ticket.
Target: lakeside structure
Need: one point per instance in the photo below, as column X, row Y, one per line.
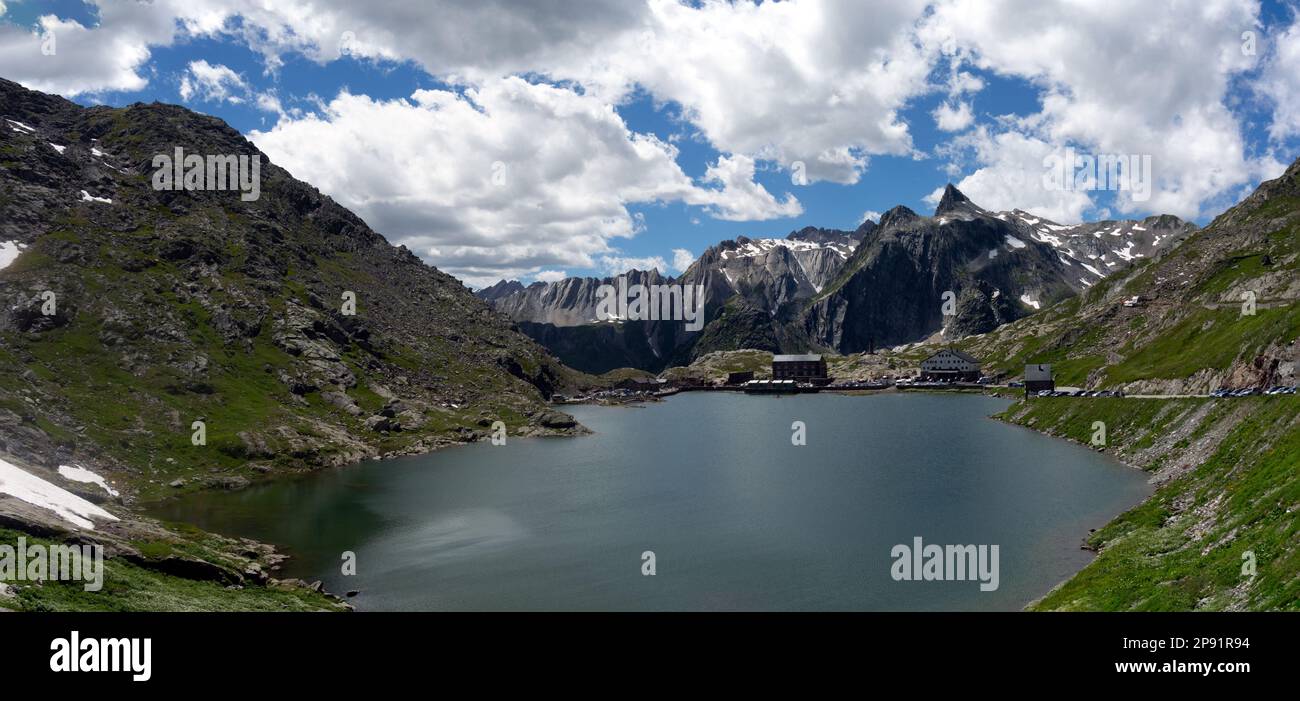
column 774, row 387
column 808, row 367
column 739, row 378
column 950, row 365
column 1038, row 377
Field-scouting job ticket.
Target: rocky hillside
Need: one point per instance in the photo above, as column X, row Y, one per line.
column 1220, row 310
column 131, row 313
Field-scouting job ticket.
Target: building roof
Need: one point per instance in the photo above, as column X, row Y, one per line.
column 805, row 358
column 1038, row 372
column 960, row 354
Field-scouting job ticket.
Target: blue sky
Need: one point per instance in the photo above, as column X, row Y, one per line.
column 1019, row 107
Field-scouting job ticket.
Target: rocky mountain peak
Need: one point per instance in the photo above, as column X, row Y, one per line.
column 499, row 290
column 898, row 216
column 953, row 200
column 812, row 234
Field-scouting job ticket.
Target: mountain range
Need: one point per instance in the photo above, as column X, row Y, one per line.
column 884, row 284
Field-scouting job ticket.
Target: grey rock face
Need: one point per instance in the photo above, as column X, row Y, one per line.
column 997, row 266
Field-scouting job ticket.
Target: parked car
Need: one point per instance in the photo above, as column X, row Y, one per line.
column 1016, row 383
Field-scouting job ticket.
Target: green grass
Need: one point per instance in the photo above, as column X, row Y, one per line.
column 1206, row 339
column 1182, row 549
column 131, row 587
column 142, row 415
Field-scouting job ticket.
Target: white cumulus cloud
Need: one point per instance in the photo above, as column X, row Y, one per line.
column 682, row 259
column 1280, row 81
column 1119, row 77
column 550, row 275
column 510, row 176
column 950, row 117
column 212, row 83
column 616, row 265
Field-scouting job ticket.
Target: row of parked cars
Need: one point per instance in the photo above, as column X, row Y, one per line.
column 1253, row 391
column 1081, row 393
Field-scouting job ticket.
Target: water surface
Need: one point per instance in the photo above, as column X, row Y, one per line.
column 737, row 516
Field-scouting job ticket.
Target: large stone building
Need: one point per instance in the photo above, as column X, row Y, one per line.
column 950, row 365
column 808, row 367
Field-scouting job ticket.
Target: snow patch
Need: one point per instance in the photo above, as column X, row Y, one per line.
column 77, row 473
column 1014, row 242
column 37, row 492
column 58, row 148
column 87, row 197
column 1025, row 299
column 9, row 252
column 20, row 127
column 1047, row 238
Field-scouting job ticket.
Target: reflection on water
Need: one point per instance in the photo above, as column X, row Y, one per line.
column 738, row 518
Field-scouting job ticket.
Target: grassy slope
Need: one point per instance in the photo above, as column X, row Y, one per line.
column 1235, row 487
column 1228, row 471
column 138, row 586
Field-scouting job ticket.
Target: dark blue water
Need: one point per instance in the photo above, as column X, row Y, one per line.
column 737, row 516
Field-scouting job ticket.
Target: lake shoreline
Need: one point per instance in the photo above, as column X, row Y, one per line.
column 289, row 548
column 1185, row 445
